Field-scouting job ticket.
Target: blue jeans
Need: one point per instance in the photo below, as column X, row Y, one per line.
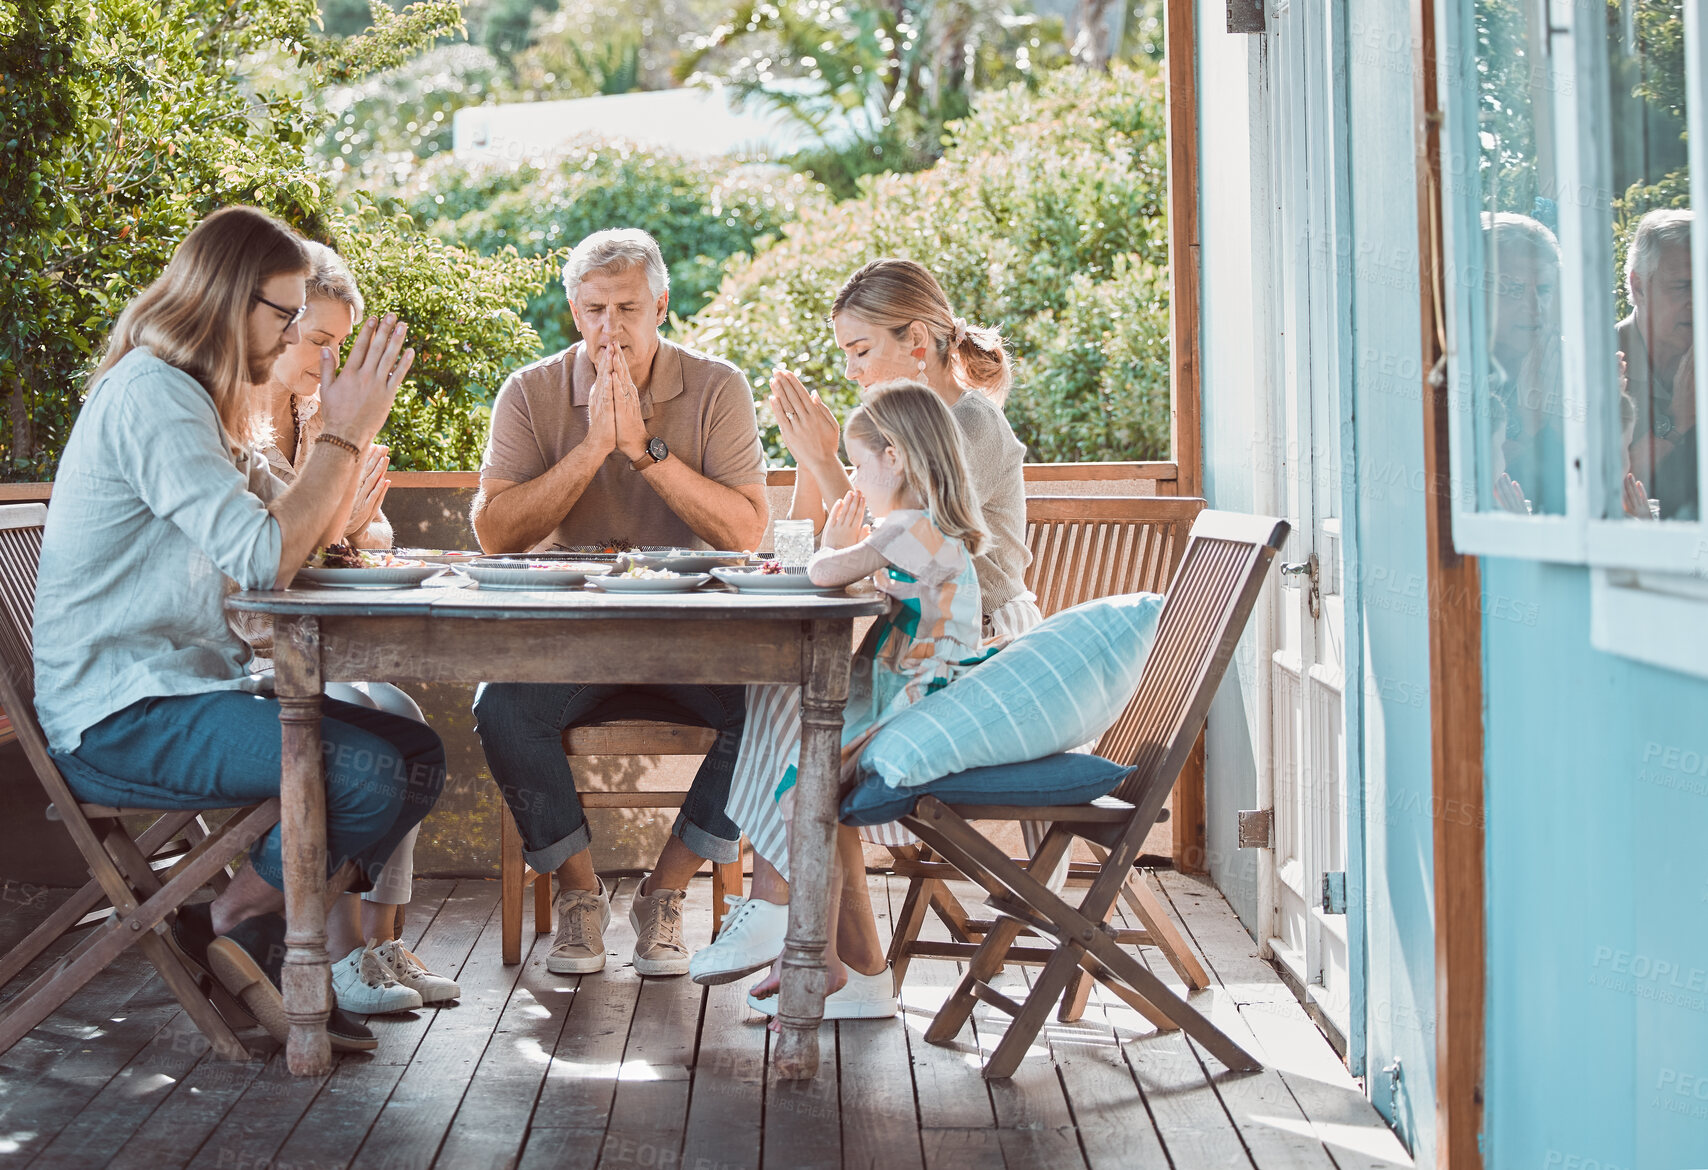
column 383, row 772
column 521, row 728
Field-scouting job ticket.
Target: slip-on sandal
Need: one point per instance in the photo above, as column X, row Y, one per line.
column 248, row 961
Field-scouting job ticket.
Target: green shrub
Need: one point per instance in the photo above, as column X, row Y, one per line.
column 702, row 213
column 1045, row 218
column 128, row 122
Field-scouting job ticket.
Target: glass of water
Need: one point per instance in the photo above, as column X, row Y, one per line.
column 793, row 542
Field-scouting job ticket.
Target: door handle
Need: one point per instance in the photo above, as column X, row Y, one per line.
column 1293, row 571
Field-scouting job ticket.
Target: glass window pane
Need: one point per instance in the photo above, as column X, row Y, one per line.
column 1517, row 394
column 1651, row 225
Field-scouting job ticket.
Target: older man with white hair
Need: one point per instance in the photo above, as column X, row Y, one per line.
column 1656, row 341
column 623, row 436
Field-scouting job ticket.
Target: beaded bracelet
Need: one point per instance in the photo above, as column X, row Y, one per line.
column 338, row 441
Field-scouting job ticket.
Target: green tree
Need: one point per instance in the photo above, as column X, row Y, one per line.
column 127, row 122
column 874, row 83
column 703, row 212
column 1045, row 218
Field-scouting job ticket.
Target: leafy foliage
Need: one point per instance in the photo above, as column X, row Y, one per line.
column 874, row 83
column 702, row 212
column 1046, row 218
column 467, row 336
column 128, row 122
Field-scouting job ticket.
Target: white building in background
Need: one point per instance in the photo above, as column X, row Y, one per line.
column 702, row 121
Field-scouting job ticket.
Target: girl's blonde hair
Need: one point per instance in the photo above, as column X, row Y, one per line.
column 893, row 294
column 195, row 316
column 911, row 418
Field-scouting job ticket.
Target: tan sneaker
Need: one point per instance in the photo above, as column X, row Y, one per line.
column 659, row 949
column 578, row 948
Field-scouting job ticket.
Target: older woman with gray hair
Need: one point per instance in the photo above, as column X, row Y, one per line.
column 373, row 972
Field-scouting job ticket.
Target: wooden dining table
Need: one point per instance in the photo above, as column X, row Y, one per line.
column 448, row 630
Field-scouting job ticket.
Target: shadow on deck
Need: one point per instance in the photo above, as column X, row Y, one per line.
column 611, row 1070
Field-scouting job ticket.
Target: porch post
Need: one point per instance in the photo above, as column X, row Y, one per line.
column 1455, row 680
column 1180, row 43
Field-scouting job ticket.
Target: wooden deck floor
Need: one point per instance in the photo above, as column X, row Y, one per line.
column 612, row 1070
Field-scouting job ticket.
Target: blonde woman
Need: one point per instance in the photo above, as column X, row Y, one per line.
column 374, row 972
column 892, row 320
column 910, row 471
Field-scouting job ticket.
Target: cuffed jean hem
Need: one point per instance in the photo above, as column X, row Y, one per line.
column 548, row 859
column 717, row 850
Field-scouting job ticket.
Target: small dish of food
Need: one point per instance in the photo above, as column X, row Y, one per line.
column 640, row 579
column 689, row 560
column 338, row 566
column 772, row 577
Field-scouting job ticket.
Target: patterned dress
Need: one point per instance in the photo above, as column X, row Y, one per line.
column 931, row 635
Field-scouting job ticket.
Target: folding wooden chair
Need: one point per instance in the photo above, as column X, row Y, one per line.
column 1083, row 547
column 142, row 878
column 1207, row 605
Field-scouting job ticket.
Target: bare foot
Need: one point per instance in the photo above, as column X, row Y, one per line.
column 835, row 976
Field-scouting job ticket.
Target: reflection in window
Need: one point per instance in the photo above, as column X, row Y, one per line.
column 1518, row 394
column 1651, row 225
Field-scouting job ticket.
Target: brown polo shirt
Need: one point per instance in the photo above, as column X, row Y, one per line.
column 699, row 405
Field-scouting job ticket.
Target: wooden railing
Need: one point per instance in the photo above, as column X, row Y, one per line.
column 1148, row 479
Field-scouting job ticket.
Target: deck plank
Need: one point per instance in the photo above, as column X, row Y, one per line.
column 66, row 1061
column 176, row 1131
column 558, row 1148
column 581, row 1079
column 649, row 1109
column 536, row 1070
column 261, row 1119
column 880, row 1115
column 803, row 1124
column 958, row 1149
column 409, row 1128
column 125, row 1103
column 726, row 1107
column 1322, row 1094
column 949, row 1087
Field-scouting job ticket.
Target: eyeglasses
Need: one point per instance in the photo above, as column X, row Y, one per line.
column 291, row 316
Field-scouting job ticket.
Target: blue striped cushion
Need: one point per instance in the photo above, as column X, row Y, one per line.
column 1056, row 686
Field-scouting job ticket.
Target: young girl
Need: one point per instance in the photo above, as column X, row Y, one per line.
column 910, row 471
column 892, row 321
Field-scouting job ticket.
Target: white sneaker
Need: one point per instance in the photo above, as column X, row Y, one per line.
column 863, row 997
column 578, row 948
column 365, row 986
column 411, row 972
column 751, row 938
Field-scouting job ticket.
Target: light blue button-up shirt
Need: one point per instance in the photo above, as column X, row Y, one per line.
column 156, row 518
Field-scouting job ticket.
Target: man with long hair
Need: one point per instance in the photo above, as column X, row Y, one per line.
column 159, row 512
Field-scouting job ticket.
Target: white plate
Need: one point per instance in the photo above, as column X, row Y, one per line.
column 688, row 560
column 680, row 584
column 439, row 556
column 788, row 581
column 562, row 575
column 396, row 577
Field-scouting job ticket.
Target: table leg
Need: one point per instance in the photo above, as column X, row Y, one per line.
column 800, row 1009
column 307, row 975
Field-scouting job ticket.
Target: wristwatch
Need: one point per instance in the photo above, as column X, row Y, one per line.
column 656, row 452
column 1663, row 425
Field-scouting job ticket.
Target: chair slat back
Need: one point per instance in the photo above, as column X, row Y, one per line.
column 1226, row 561
column 20, row 558
column 1096, row 546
